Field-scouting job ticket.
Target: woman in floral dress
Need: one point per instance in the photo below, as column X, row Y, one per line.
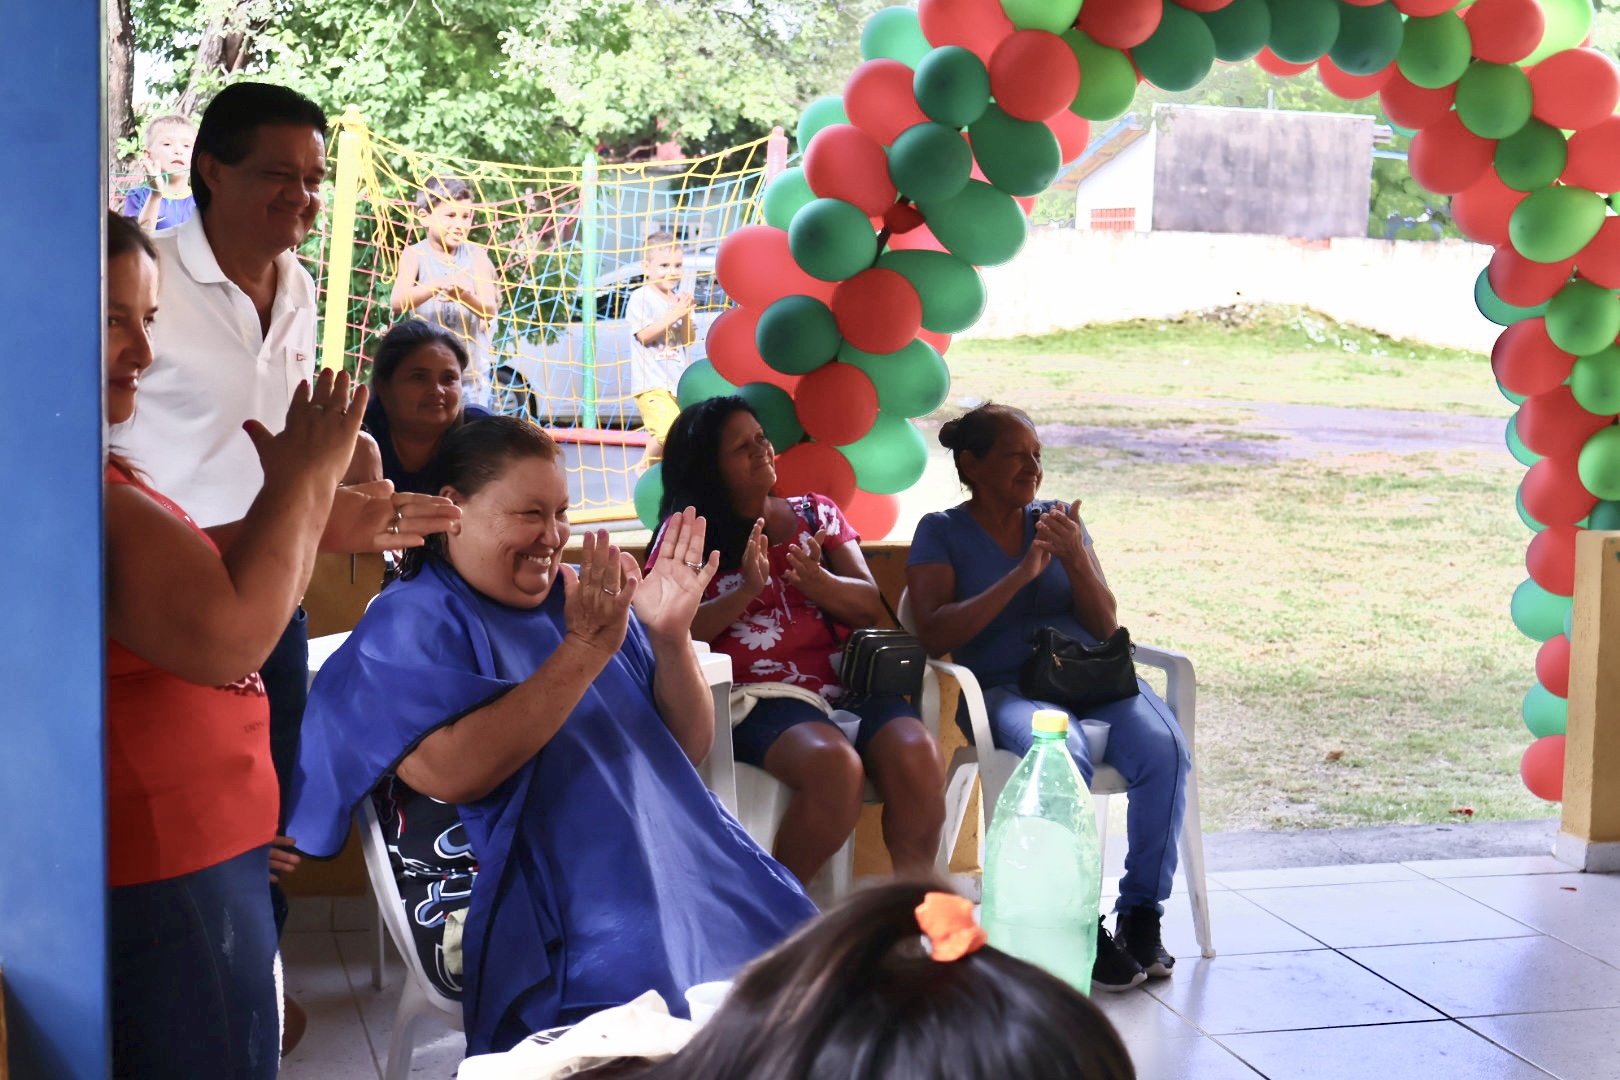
column 792, row 582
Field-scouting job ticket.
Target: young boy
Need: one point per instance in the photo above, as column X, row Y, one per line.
column 660, row 318
column 449, row 281
column 167, row 164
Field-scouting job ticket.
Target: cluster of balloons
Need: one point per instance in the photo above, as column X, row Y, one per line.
column 962, row 111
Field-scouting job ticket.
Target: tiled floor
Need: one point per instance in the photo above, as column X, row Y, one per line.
column 1473, row 969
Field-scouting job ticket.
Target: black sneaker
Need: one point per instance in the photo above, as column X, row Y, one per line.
column 1137, row 930
column 1114, row 970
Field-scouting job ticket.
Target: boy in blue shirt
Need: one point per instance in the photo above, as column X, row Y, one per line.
column 164, row 201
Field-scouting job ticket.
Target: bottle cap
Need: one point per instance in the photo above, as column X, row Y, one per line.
column 1050, row 722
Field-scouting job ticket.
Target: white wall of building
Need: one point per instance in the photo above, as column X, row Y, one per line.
column 1127, row 180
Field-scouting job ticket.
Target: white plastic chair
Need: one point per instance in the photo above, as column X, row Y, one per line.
column 994, row 767
column 419, row 999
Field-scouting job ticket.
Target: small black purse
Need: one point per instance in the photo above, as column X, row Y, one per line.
column 1078, row 676
column 877, row 661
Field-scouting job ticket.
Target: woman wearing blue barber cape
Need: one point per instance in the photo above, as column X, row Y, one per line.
column 563, row 723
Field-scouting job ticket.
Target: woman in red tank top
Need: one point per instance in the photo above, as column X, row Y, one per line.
column 191, row 792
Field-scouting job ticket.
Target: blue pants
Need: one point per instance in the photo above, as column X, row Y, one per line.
column 286, row 685
column 193, row 987
column 1146, row 746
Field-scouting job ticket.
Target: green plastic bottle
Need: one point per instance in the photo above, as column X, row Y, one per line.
column 1043, row 864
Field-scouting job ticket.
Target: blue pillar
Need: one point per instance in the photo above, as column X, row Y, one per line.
column 52, row 667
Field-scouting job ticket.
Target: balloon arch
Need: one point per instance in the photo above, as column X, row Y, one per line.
column 962, row 111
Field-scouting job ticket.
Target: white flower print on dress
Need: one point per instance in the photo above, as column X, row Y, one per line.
column 786, row 672
column 759, row 631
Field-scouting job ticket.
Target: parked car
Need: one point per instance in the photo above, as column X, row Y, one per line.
column 545, row 376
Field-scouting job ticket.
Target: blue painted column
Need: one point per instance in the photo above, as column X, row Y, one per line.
column 52, row 670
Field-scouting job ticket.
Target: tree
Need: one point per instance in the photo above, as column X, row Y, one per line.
column 512, row 80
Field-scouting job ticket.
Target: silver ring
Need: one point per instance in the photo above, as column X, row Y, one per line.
column 399, row 516
column 318, row 407
column 610, row 592
column 394, row 528
column 696, row 567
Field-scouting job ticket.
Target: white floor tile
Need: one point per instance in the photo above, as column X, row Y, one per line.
column 1499, row 866
column 1582, row 910
column 1350, row 874
column 1385, row 913
column 1506, row 975
column 1443, row 1050
column 1579, row 1045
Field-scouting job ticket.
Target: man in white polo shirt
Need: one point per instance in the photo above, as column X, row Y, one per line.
column 233, row 338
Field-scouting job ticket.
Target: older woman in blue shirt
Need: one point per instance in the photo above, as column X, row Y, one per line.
column 983, row 575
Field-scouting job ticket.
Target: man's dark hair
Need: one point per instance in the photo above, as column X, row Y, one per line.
column 226, row 130
column 438, row 189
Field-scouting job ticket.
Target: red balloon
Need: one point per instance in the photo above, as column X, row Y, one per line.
column 755, row 267
column 1504, row 31
column 1542, row 768
column 1364, row 3
column 1276, row 65
column 975, row 25
column 1576, row 88
column 813, row 466
column 1525, row 360
column 1553, row 493
column 1594, row 157
column 731, row 349
column 878, row 310
column 1412, row 106
column 1424, row 8
column 1599, row 260
column 879, row 100
column 1073, row 133
column 1206, row 6
column 902, row 217
column 1553, row 424
column 1550, row 558
column 940, row 342
column 844, row 162
column 920, row 238
column 872, row 515
column 1523, row 283
column 1034, row 75
column 1120, row 24
column 1552, row 659
column 1352, row 87
column 836, row 403
column 1482, row 210
column 1446, row 157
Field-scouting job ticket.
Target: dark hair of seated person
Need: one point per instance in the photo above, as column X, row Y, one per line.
column 854, row 995
column 691, row 475
column 976, row 431
column 403, row 339
column 471, row 456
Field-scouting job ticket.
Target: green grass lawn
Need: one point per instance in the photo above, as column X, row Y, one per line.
column 1348, row 615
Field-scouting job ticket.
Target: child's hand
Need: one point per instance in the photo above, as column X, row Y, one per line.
column 154, row 175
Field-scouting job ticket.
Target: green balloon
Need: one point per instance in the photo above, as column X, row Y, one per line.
column 776, row 413
column 1544, row 712
column 1179, row 53
column 1555, row 223
column 784, row 195
column 700, row 382
column 1567, row 24
column 1303, row 30
column 797, row 334
column 911, row 382
column 1496, row 309
column 1493, row 100
column 832, row 240
column 1532, row 157
column 893, row 34
column 820, row 113
column 648, row 494
column 1537, row 613
column 1569, row 623
column 1524, row 515
column 1107, row 79
column 1605, row 517
column 889, row 458
column 1240, row 29
column 1053, row 16
column 1595, row 382
column 1521, row 453
column 952, row 292
column 1369, row 38
column 1435, row 51
column 1583, row 318
column 1517, row 399
column 982, row 225
column 930, row 161
column 1599, row 463
column 952, row 86
column 1020, row 157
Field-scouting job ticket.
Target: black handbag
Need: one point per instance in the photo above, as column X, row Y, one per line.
column 1078, row 676
column 877, row 661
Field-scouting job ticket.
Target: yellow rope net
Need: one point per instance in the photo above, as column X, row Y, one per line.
column 565, row 248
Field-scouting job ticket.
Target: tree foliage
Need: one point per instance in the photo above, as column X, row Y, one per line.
column 516, row 80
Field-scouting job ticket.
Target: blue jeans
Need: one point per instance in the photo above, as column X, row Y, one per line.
column 1146, row 746
column 193, row 987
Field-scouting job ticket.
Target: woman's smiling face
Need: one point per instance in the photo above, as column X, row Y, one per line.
column 512, row 532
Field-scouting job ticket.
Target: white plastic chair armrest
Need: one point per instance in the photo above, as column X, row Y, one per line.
column 1181, row 684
